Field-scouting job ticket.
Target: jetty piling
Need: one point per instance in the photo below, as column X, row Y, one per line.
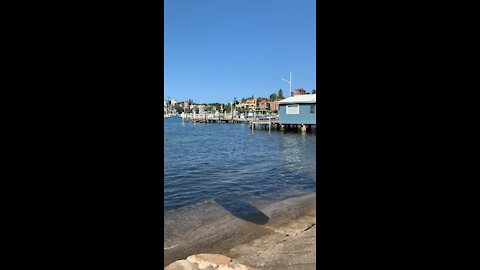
column 255, row 121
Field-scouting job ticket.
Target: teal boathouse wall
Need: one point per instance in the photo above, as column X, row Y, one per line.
column 304, row 116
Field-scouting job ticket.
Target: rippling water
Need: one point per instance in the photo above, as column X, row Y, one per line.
column 228, row 161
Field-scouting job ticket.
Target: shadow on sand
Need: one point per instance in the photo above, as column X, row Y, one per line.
column 244, row 211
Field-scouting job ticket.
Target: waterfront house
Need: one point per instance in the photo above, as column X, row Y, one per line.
column 249, row 105
column 262, row 105
column 299, row 91
column 298, row 110
column 274, row 104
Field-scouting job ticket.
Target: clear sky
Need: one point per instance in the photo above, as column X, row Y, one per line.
column 216, row 50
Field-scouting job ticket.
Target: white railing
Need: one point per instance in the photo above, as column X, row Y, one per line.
column 210, row 116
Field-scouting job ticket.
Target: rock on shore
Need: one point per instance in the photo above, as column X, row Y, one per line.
column 287, row 241
column 206, row 261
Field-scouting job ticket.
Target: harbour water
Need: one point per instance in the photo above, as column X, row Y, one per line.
column 230, row 164
column 226, row 185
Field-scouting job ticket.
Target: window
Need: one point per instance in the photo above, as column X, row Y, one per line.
column 313, row 108
column 292, row 109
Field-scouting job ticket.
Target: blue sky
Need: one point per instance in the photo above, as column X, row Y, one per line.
column 216, row 50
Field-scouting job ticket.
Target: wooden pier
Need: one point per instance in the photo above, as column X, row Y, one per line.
column 255, row 122
column 265, row 122
column 211, row 118
column 202, row 118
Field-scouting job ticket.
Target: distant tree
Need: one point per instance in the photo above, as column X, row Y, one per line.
column 280, row 93
column 259, row 99
column 228, row 108
column 243, row 100
column 178, row 108
column 273, row 97
column 314, row 91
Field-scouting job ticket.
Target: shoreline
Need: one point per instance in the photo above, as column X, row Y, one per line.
column 281, row 235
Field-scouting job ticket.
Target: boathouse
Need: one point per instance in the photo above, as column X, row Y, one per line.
column 298, row 110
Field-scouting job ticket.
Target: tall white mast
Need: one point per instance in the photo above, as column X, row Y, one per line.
column 290, row 83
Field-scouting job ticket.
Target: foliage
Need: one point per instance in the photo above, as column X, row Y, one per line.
column 178, row 108
column 228, row 108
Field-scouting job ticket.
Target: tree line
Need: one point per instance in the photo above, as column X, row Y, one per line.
column 227, row 107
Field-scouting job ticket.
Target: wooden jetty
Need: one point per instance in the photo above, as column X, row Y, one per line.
column 205, row 118
column 255, row 122
column 212, row 118
column 270, row 122
column 267, row 122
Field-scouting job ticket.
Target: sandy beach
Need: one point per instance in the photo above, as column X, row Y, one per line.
column 280, row 235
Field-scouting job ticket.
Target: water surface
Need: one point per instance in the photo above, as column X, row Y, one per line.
column 230, row 163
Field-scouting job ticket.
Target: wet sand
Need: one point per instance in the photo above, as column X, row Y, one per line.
column 280, row 235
